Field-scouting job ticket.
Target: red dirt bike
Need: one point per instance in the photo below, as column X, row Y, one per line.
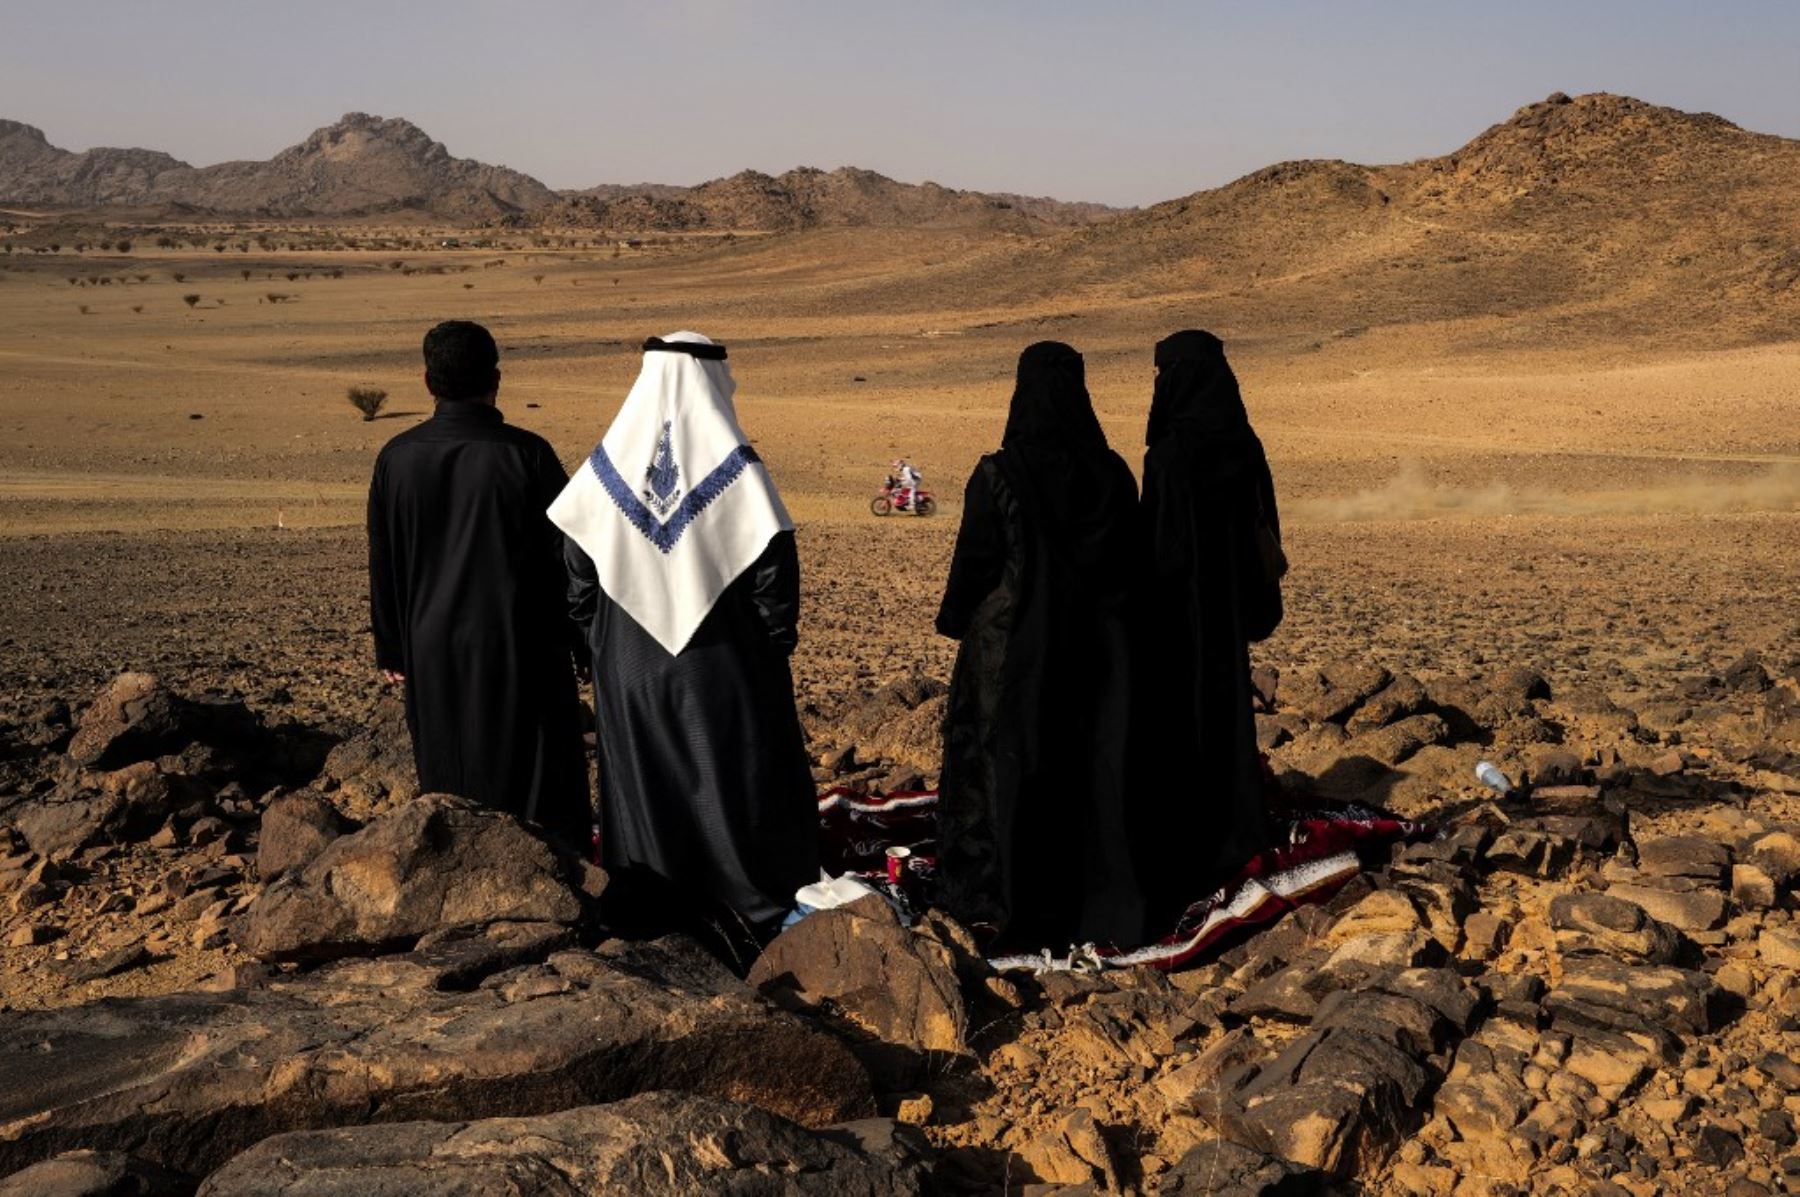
column 887, row 500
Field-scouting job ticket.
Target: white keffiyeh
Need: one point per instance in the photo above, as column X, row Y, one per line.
column 673, row 504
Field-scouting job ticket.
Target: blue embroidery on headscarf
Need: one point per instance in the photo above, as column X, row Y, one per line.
column 662, row 475
column 664, row 533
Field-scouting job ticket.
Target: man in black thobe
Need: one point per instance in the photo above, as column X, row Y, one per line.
column 466, row 587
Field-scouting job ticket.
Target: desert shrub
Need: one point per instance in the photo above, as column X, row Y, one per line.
column 337, row 273
column 74, row 280
column 123, row 247
column 468, row 286
column 165, row 243
column 179, row 277
column 279, row 297
column 246, row 275
column 190, row 300
column 537, row 278
column 137, row 307
column 292, row 275
column 55, row 248
column 142, row 278
column 395, row 264
column 367, row 400
column 83, row 309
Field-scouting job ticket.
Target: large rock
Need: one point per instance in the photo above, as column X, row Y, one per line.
column 1690, row 856
column 649, row 1145
column 373, row 771
column 190, row 1080
column 295, row 829
column 900, row 987
column 133, row 719
column 1341, row 1097
column 1677, row 901
column 1400, row 698
column 1334, row 691
column 1599, row 924
column 435, row 863
column 1222, row 1168
column 1397, row 741
column 96, row 1174
column 122, row 806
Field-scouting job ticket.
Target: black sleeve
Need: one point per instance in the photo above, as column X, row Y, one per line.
column 979, row 560
column 559, row 553
column 775, row 591
column 584, row 586
column 384, row 599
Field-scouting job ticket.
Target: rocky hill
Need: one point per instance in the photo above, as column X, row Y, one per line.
column 1603, row 212
column 362, row 164
column 806, row 198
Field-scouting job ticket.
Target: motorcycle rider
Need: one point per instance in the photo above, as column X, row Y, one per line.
column 907, row 478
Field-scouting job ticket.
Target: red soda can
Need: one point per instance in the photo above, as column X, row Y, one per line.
column 896, row 863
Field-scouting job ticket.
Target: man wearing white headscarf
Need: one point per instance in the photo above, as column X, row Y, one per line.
column 684, row 571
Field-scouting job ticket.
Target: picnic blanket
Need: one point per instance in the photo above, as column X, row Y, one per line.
column 1320, row 851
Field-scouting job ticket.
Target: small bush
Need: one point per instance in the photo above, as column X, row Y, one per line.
column 190, row 300
column 123, row 247
column 180, row 278
column 137, row 307
column 246, row 275
column 292, row 275
column 395, row 264
column 537, row 278
column 367, row 400
column 165, row 243
column 279, row 297
column 83, row 309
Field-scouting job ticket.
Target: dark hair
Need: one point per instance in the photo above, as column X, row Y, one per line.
column 461, row 361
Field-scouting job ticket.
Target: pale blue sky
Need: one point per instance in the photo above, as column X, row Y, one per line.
column 1120, row 102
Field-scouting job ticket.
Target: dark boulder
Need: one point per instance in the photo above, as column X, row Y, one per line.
column 650, row 1145
column 437, row 862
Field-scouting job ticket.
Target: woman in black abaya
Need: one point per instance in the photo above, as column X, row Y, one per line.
column 1031, row 837
column 1209, row 585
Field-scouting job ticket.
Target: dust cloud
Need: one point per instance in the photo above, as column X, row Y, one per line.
column 1411, row 495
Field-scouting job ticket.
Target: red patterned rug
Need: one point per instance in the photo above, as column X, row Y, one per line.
column 1322, row 850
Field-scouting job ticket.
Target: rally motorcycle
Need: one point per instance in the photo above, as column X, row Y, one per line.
column 887, row 500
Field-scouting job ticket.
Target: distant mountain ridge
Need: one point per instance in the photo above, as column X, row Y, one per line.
column 367, row 165
column 807, row 197
column 362, row 164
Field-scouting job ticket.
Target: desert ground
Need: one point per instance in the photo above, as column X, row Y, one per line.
column 181, row 490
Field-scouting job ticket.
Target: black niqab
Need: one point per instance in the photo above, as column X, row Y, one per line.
column 1195, row 389
column 1050, row 404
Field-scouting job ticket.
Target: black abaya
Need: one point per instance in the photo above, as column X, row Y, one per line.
column 704, row 781
column 1031, row 837
column 1199, row 811
column 466, row 588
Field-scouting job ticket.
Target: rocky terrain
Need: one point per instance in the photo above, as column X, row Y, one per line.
column 1586, row 985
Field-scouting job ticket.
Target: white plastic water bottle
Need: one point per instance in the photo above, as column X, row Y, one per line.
column 1489, row 775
